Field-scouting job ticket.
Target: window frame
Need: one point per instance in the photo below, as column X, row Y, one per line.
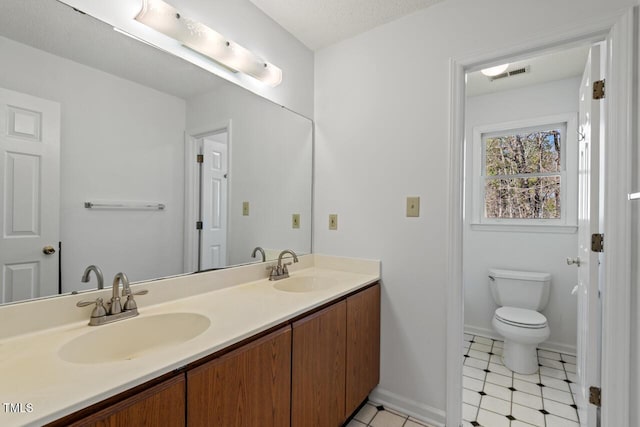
column 568, row 221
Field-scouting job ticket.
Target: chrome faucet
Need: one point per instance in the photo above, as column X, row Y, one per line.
column 256, row 250
column 280, row 271
column 98, row 273
column 116, row 311
column 116, row 307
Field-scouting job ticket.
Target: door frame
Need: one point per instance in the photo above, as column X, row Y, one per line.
column 192, row 188
column 616, row 309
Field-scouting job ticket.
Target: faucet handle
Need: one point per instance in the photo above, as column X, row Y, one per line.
column 130, row 303
column 98, row 311
column 274, row 271
column 85, row 303
column 285, row 270
column 140, row 292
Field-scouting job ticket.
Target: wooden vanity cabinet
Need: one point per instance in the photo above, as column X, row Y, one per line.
column 312, row 372
column 160, row 405
column 363, row 346
column 318, row 368
column 250, row 386
column 336, row 360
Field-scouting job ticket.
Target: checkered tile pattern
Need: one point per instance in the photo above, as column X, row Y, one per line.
column 494, row 396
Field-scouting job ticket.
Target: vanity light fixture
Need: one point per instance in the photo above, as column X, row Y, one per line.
column 494, row 71
column 164, row 18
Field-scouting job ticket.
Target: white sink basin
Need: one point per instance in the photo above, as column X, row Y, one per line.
column 305, row 284
column 133, row 338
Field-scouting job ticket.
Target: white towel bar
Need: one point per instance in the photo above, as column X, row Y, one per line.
column 124, row 205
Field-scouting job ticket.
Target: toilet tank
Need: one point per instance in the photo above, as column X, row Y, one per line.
column 522, row 289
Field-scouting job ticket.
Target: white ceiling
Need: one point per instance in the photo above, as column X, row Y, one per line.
column 557, row 65
column 320, row 23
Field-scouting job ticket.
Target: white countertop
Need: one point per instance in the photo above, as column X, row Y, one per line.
column 32, row 372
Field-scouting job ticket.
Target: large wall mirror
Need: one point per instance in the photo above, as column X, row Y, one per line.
column 114, row 153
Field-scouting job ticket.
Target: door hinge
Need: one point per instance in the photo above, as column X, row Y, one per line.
column 595, row 397
column 597, row 242
column 200, row 158
column 198, row 225
column 598, row 89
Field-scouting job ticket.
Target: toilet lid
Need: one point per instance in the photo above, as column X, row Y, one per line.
column 521, row 317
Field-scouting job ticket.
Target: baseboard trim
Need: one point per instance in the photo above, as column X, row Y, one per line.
column 547, row 345
column 489, row 333
column 417, row 410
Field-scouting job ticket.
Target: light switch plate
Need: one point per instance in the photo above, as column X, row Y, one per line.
column 295, row 221
column 413, row 206
column 333, row 221
column 245, row 208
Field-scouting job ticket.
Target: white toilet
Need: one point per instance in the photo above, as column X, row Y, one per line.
column 521, row 295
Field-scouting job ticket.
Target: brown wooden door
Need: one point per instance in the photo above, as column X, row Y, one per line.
column 318, row 370
column 363, row 346
column 247, row 387
column 159, row 406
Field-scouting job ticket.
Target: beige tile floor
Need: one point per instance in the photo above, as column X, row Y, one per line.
column 375, row 415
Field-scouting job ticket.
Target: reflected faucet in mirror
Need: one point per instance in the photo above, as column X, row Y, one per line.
column 98, row 273
column 256, row 250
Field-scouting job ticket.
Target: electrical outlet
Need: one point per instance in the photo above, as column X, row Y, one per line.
column 333, row 221
column 295, row 221
column 245, row 208
column 413, row 206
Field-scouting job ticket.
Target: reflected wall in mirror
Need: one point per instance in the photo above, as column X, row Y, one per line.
column 114, row 121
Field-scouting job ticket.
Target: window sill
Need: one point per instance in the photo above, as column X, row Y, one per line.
column 524, row 228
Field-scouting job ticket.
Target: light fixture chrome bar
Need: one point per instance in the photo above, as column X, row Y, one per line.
column 124, row 205
column 634, row 196
column 164, row 18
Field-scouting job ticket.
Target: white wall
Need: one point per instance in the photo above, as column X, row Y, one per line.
column 112, row 129
column 270, row 163
column 635, row 274
column 530, row 251
column 381, row 110
column 240, row 21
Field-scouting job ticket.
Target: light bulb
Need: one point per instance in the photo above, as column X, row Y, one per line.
column 494, row 71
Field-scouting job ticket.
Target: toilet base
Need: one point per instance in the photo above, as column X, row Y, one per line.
column 520, row 358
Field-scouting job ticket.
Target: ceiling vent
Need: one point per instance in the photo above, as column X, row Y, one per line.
column 521, row 70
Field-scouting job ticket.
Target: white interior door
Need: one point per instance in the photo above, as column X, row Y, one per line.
column 213, row 237
column 589, row 221
column 30, row 194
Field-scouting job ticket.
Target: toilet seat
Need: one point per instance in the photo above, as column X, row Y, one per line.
column 521, row 317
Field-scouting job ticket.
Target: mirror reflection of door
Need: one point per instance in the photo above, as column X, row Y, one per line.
column 30, row 193
column 213, row 200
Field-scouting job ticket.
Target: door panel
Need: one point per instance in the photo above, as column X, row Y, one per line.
column 30, row 193
column 22, row 210
column 318, row 368
column 214, row 202
column 589, row 310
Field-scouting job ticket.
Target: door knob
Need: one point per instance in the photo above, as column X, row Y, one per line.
column 48, row 250
column 575, row 261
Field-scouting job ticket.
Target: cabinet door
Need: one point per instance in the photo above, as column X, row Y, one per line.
column 318, row 387
column 247, row 387
column 160, row 405
column 363, row 346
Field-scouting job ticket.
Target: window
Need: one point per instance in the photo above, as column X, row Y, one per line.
column 524, row 172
